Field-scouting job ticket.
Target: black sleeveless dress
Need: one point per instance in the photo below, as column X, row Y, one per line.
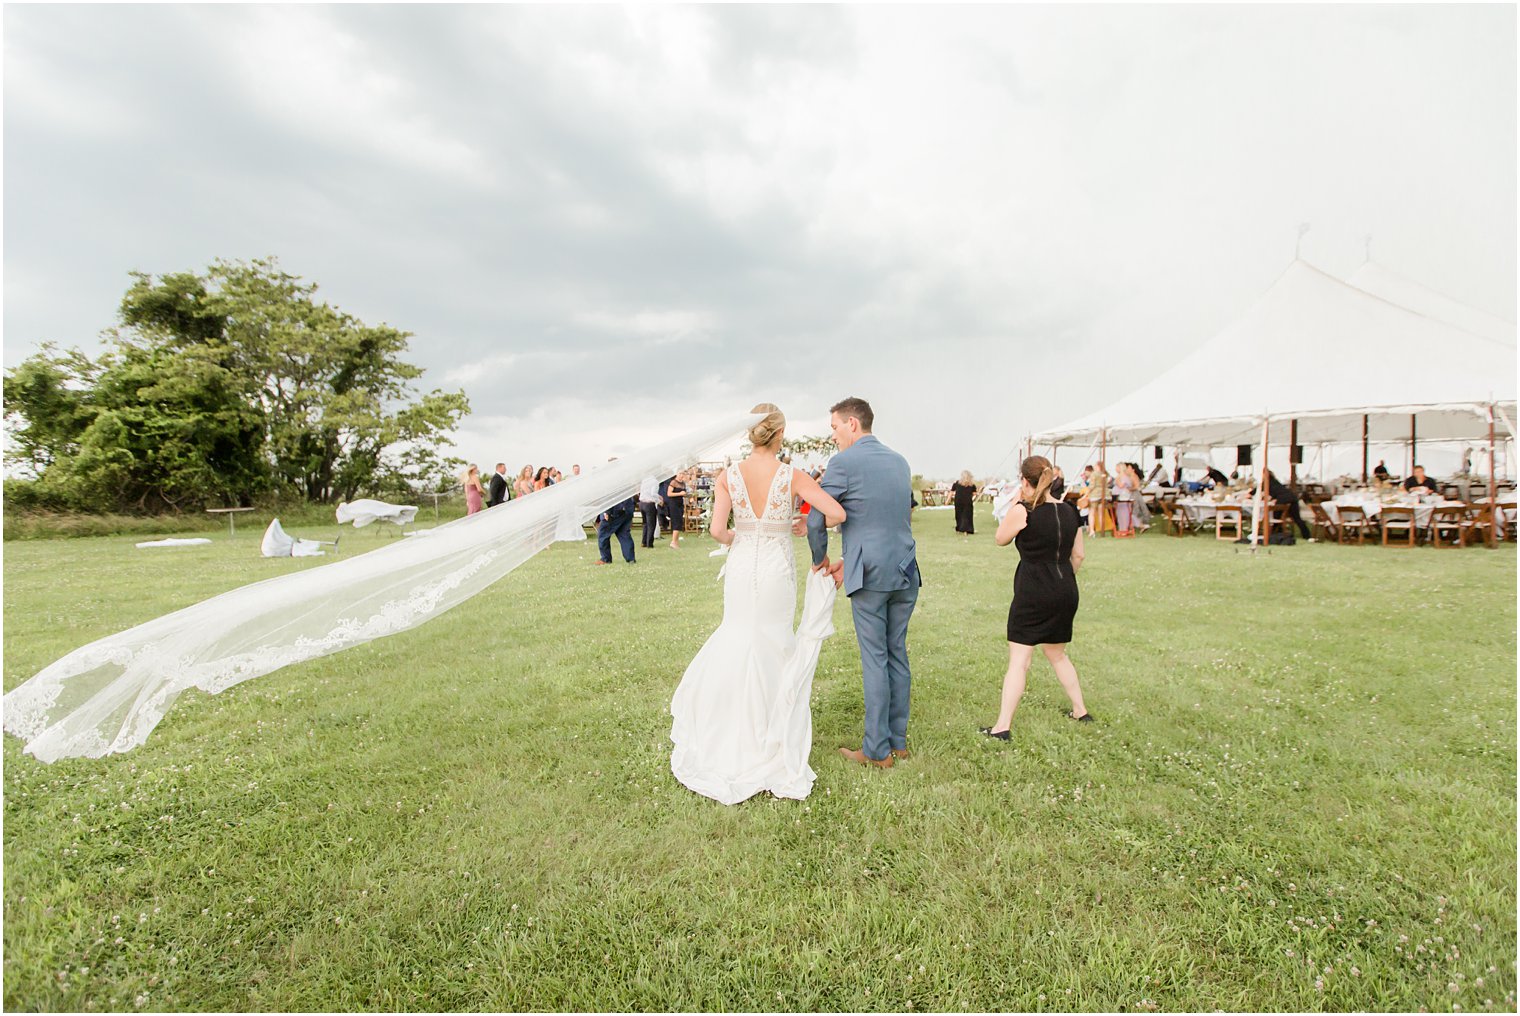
column 1045, row 587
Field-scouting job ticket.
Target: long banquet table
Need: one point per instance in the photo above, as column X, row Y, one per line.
column 1373, row 506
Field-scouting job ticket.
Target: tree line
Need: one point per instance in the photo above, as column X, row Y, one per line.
column 218, row 388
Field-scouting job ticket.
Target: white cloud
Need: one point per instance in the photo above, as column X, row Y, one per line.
column 307, row 73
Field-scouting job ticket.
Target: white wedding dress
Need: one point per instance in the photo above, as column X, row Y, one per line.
column 741, row 717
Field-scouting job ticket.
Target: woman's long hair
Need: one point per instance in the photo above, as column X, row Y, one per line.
column 966, row 478
column 1038, row 473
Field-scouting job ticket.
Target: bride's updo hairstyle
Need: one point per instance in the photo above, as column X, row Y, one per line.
column 762, row 434
column 1039, row 474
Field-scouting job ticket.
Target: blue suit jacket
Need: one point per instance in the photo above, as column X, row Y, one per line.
column 874, row 486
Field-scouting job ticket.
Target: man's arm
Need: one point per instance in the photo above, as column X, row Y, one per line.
column 834, row 484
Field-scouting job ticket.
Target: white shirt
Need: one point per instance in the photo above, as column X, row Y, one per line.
column 649, row 489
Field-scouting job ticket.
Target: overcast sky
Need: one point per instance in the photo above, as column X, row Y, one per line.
column 607, row 225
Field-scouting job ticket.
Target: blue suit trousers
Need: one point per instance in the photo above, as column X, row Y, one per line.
column 881, row 629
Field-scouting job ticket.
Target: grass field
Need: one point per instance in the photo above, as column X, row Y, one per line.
column 1299, row 795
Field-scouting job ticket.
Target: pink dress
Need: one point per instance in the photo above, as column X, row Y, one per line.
column 472, row 499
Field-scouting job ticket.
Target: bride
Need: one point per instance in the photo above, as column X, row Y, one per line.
column 740, row 720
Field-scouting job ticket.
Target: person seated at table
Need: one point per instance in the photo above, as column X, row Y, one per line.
column 1215, row 478
column 1280, row 494
column 1419, row 479
column 1381, row 472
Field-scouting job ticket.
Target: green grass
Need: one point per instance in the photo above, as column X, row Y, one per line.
column 1300, row 795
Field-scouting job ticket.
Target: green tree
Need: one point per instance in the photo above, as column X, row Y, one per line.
column 220, row 386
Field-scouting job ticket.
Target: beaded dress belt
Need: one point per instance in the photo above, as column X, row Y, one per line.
column 763, row 527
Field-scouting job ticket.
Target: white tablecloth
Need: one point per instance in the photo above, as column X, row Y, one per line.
column 1374, row 507
column 1203, row 509
column 366, row 510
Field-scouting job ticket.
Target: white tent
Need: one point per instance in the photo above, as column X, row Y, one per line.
column 1325, row 362
column 1375, row 279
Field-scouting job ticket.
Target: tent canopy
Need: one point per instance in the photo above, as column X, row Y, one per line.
column 1375, row 279
column 1326, row 354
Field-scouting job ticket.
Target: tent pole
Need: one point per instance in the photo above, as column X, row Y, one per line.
column 1364, row 448
column 1261, row 489
column 1494, row 514
column 1103, row 468
column 1413, row 458
column 1292, row 466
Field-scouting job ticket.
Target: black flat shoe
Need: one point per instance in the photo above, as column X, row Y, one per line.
column 1001, row 735
column 1084, row 718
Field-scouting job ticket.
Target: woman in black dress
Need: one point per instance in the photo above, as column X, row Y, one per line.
column 1048, row 534
column 964, row 490
column 675, row 504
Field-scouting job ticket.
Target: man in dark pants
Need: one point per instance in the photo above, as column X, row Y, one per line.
column 649, row 507
column 663, row 515
column 498, row 490
column 617, row 520
column 1279, row 492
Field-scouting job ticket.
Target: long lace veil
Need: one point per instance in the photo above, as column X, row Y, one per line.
column 108, row 696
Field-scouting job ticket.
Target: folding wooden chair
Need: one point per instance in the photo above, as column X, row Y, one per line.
column 1176, row 518
column 1326, row 527
column 1446, row 522
column 1354, row 520
column 1478, row 522
column 1278, row 518
column 1231, row 518
column 1398, row 518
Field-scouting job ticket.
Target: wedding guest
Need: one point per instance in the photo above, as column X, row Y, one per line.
column 1058, row 488
column 964, row 491
column 1049, row 540
column 1100, row 517
column 1418, row 479
column 499, row 486
column 556, row 476
column 524, row 484
column 541, row 478
column 1084, row 498
column 1128, row 480
column 1279, row 493
column 1216, row 478
column 662, row 507
column 616, row 521
column 649, row 502
column 474, row 493
column 1381, row 472
column 675, row 507
column 575, row 470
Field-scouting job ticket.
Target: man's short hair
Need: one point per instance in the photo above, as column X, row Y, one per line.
column 860, row 409
column 501, row 465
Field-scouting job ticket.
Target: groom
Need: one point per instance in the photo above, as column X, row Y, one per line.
column 877, row 569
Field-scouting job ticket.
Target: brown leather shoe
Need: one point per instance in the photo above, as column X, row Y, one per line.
column 856, row 755
column 901, row 753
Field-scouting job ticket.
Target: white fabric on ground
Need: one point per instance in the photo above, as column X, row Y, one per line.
column 195, row 541
column 278, row 543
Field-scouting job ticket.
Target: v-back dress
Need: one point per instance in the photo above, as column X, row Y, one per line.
column 740, row 719
column 1045, row 586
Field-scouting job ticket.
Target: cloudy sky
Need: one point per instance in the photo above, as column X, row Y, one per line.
column 606, row 225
